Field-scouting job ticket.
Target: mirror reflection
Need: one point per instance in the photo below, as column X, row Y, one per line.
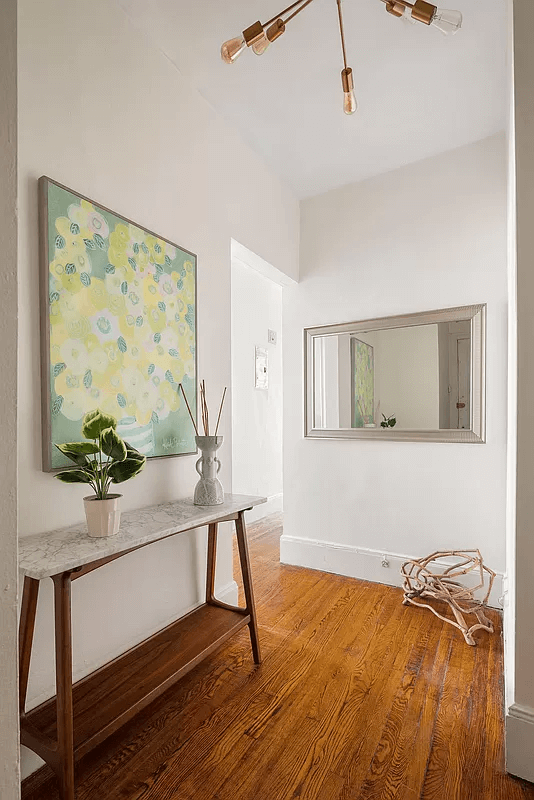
column 409, row 378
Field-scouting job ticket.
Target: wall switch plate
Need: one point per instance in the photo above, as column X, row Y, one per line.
column 271, row 337
column 262, row 368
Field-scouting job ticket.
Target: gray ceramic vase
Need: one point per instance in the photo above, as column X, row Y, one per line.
column 209, row 490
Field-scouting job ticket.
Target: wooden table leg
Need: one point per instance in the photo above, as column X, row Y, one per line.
column 30, row 593
column 247, row 585
column 65, row 733
column 212, row 560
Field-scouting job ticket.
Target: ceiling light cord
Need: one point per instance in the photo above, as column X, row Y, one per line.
column 347, row 82
column 342, row 32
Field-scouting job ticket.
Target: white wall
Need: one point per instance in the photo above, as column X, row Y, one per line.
column 256, row 413
column 520, row 715
column 9, row 735
column 105, row 113
column 409, row 380
column 431, row 235
column 406, row 375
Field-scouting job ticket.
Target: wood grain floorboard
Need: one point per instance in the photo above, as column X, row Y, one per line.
column 358, row 698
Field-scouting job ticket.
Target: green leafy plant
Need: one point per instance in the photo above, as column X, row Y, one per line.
column 388, row 422
column 102, row 460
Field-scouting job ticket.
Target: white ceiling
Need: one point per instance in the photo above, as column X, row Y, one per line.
column 419, row 92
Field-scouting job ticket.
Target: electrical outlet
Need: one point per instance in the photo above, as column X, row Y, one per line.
column 385, row 562
column 271, row 337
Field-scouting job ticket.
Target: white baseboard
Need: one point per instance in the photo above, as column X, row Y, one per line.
column 356, row 562
column 274, row 505
column 228, row 593
column 520, row 741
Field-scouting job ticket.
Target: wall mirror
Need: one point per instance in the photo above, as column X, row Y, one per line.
column 416, row 377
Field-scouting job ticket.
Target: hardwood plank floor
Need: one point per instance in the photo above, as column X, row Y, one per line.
column 358, row 698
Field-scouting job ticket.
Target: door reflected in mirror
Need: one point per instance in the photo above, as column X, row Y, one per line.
column 410, row 378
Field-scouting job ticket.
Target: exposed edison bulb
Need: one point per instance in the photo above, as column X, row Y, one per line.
column 349, row 102
column 232, row 49
column 448, row 22
column 261, row 44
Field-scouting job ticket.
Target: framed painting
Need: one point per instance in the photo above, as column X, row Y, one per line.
column 363, row 384
column 118, row 323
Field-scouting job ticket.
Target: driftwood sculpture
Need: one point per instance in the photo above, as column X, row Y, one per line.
column 427, row 578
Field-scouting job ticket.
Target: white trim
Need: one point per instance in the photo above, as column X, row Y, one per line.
column 356, row 562
column 523, row 713
column 274, row 505
column 228, row 593
column 520, row 741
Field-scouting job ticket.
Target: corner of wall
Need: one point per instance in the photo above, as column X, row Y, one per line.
column 9, row 717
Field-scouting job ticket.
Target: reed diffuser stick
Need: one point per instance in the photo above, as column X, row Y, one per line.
column 204, row 404
column 220, row 411
column 190, row 414
column 207, row 411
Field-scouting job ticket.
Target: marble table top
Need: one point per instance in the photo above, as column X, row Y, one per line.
column 45, row 554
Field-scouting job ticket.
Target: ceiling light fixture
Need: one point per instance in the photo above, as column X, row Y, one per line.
column 259, row 36
column 421, row 11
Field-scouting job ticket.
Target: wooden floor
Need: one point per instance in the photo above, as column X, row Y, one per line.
column 358, row 698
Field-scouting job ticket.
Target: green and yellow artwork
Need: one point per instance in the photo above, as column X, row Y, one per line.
column 120, row 330
column 363, row 384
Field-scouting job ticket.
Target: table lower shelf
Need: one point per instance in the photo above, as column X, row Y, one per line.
column 109, row 697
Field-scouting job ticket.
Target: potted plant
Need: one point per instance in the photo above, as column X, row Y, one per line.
column 388, row 422
column 102, row 460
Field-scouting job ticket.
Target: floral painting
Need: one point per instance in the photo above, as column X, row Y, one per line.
column 120, row 333
column 363, row 384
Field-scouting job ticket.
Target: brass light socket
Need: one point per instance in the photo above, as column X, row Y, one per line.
column 397, row 9
column 346, row 80
column 253, row 33
column 276, row 30
column 423, row 11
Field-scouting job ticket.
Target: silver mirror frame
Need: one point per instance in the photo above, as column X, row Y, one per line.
column 477, row 432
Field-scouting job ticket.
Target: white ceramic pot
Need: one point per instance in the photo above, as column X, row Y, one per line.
column 103, row 516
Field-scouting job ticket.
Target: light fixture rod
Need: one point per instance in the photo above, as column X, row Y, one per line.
column 294, row 14
column 289, row 8
column 342, row 32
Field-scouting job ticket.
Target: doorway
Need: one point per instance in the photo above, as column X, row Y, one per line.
column 256, row 303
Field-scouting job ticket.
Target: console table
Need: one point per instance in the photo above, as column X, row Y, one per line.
column 82, row 715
